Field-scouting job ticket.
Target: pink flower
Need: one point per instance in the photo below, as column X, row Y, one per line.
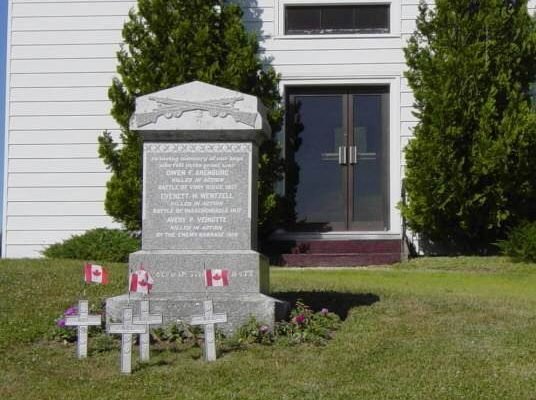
column 71, row 311
column 60, row 323
column 264, row 329
column 299, row 319
column 324, row 311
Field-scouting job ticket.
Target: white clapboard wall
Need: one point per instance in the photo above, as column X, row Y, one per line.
column 61, row 60
column 61, row 63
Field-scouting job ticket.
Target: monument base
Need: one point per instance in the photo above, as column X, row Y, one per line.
column 182, row 271
column 239, row 308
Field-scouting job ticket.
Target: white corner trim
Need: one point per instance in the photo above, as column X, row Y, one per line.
column 7, row 117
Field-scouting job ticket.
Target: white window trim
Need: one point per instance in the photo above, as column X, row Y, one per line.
column 394, row 18
column 394, row 83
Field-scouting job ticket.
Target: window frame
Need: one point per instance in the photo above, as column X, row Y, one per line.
column 353, row 30
column 394, row 18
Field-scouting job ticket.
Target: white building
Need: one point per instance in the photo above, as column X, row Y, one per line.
column 61, row 60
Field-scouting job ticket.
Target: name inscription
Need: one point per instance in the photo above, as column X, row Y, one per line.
column 200, row 274
column 194, row 192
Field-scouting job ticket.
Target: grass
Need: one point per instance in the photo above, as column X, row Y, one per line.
column 442, row 328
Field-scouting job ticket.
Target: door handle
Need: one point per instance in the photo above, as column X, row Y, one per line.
column 353, row 155
column 342, row 155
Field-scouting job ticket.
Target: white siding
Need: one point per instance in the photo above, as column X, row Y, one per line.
column 61, row 63
column 61, row 60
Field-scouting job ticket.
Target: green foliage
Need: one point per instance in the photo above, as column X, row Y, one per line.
column 254, row 332
column 306, row 326
column 101, row 342
column 171, row 42
column 179, row 333
column 99, row 244
column 521, row 242
column 470, row 172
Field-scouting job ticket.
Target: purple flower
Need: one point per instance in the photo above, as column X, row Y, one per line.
column 299, row 319
column 71, row 311
column 264, row 329
column 60, row 323
column 324, row 311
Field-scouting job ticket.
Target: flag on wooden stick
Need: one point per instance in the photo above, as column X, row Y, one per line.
column 217, row 277
column 140, row 281
column 95, row 274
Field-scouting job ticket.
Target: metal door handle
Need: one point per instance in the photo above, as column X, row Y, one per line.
column 329, row 156
column 342, row 155
column 367, row 156
column 353, row 155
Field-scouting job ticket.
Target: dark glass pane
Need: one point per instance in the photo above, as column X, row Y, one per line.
column 369, row 185
column 302, row 20
column 372, row 18
column 320, row 201
column 337, row 19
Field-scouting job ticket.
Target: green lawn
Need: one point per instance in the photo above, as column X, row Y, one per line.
column 444, row 328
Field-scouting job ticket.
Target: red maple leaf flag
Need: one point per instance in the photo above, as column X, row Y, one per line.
column 141, row 282
column 95, row 274
column 217, row 277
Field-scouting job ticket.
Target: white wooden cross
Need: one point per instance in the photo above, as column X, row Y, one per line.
column 83, row 320
column 146, row 319
column 126, row 329
column 208, row 320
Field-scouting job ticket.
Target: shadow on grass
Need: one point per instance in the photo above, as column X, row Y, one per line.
column 140, row 366
column 337, row 302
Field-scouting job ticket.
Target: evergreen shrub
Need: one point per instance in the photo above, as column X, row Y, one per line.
column 470, row 172
column 169, row 43
column 101, row 244
column 521, row 242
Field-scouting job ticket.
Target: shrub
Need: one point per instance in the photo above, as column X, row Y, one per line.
column 306, row 326
column 112, row 245
column 179, row 333
column 470, row 172
column 168, row 43
column 254, row 332
column 521, row 242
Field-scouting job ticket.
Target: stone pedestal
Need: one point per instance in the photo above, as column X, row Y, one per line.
column 200, row 156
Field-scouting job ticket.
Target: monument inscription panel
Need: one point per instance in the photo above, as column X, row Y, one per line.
column 197, row 196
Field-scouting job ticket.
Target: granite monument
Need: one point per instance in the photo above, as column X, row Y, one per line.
column 199, row 222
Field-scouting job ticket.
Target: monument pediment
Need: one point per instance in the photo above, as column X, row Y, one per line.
column 198, row 106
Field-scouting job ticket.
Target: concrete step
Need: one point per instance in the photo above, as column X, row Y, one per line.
column 339, row 259
column 346, row 246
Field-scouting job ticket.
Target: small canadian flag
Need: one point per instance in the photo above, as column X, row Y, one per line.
column 217, row 277
column 95, row 274
column 141, row 281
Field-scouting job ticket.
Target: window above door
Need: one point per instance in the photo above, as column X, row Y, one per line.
column 340, row 19
column 296, row 19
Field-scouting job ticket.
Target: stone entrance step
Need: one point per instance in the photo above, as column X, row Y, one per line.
column 339, row 260
column 347, row 246
column 335, row 253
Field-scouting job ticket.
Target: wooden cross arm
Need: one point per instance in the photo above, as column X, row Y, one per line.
column 129, row 329
column 75, row 320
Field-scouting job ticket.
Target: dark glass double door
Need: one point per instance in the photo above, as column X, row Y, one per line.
column 338, row 149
